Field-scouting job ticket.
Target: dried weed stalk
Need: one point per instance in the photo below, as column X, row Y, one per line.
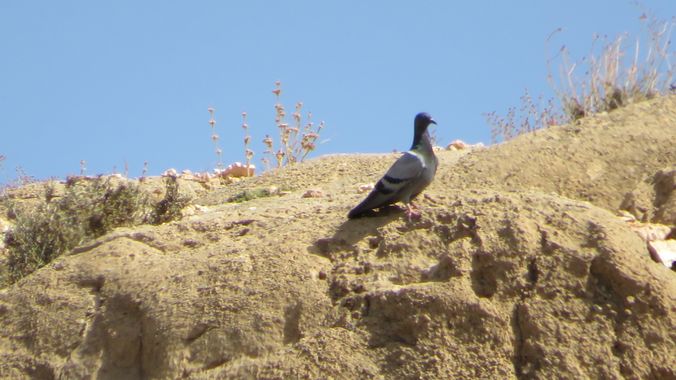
column 616, row 71
column 248, row 153
column 531, row 116
column 614, row 74
column 215, row 138
column 295, row 141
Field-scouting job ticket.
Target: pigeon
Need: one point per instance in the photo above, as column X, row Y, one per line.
column 407, row 177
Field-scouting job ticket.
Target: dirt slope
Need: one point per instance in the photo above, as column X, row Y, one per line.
column 510, row 273
column 597, row 159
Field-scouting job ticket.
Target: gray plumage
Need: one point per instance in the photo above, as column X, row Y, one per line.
column 408, row 176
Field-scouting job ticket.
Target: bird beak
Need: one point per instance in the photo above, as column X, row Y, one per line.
column 433, row 122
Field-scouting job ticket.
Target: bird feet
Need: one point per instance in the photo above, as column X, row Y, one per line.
column 412, row 212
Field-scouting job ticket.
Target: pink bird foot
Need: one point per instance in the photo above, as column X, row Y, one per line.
column 412, row 212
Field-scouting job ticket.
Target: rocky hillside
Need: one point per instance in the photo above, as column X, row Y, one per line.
column 518, row 268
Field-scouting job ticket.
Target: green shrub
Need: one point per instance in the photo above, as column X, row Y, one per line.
column 248, row 195
column 169, row 208
column 40, row 235
column 88, row 209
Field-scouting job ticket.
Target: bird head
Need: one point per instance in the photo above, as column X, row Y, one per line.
column 422, row 121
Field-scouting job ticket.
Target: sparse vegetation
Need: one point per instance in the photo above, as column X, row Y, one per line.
column 529, row 117
column 215, row 138
column 296, row 141
column 248, row 195
column 615, row 73
column 169, row 208
column 91, row 207
column 248, row 153
column 88, row 208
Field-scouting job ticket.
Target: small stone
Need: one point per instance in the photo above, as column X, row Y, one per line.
column 313, row 193
column 457, row 145
column 626, row 216
column 192, row 243
column 201, row 209
column 170, row 173
column 189, row 210
column 273, row 190
column 374, row 241
column 365, row 188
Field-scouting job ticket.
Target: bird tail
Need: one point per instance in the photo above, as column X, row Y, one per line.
column 379, row 196
column 356, row 212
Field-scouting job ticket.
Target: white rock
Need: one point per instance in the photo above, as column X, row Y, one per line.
column 663, row 251
column 457, row 145
column 236, row 169
column 170, row 173
column 313, row 193
column 650, row 231
column 626, row 216
column 202, row 209
column 5, row 227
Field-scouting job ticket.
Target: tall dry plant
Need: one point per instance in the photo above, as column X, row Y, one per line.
column 616, row 72
column 215, row 138
column 531, row 116
column 295, row 141
column 248, row 153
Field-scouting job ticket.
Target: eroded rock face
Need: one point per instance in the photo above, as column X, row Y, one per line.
column 149, row 304
column 487, row 284
column 597, row 159
column 527, row 285
column 654, row 199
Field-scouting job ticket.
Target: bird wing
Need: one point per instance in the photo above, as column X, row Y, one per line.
column 392, row 187
column 407, row 167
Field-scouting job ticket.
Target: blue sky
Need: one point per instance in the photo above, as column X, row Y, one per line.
column 130, row 81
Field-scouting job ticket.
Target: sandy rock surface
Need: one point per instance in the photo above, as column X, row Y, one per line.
column 518, row 268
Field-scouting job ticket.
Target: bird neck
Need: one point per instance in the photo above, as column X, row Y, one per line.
column 421, row 141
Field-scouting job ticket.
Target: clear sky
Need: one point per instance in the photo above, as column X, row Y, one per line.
column 130, row 81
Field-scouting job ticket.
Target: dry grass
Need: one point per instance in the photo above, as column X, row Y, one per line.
column 616, row 72
column 295, row 142
column 530, row 116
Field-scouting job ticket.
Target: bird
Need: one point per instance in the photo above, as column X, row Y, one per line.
column 407, row 177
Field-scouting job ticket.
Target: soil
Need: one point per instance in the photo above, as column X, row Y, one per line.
column 518, row 268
